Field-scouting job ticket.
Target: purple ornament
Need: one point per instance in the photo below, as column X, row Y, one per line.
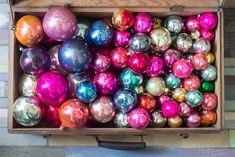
column 139, row 118
column 170, row 57
column 208, row 20
column 122, row 38
column 170, row 109
column 155, row 66
column 60, row 24
column 194, row 120
column 101, row 63
column 35, row 61
column 143, row 23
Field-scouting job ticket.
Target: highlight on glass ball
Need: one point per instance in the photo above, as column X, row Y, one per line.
column 134, row 70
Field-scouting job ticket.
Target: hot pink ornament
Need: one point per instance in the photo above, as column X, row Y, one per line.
column 207, row 35
column 209, row 101
column 170, row 56
column 106, row 82
column 138, row 62
column 51, row 116
column 199, row 61
column 101, row 63
column 119, row 57
column 53, row 88
column 185, row 109
column 143, row 23
column 139, row 118
column 170, row 109
column 192, row 83
column 182, row 68
column 122, row 38
column 192, row 23
column 208, row 20
column 155, row 66
column 163, row 98
column 194, row 120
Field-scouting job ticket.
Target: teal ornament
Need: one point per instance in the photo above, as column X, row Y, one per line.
column 130, row 79
column 140, row 42
column 172, row 81
column 209, row 74
column 194, row 98
column 86, row 92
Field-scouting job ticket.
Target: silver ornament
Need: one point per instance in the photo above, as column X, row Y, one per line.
column 139, row 43
column 27, row 85
column 209, row 74
column 121, row 120
column 174, row 24
column 184, row 42
column 201, row 46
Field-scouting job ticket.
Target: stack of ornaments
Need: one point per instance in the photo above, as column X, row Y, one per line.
column 131, row 71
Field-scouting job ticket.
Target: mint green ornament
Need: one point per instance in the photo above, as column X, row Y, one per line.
column 194, row 98
column 172, row 81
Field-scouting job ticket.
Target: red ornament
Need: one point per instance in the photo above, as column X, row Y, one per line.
column 192, row 83
column 207, row 35
column 182, row 68
column 119, row 57
column 138, row 62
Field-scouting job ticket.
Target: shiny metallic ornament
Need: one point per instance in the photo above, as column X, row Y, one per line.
column 172, row 81
column 27, row 85
column 122, row 38
column 155, row 66
column 194, row 98
column 199, row 61
column 193, row 120
column 51, row 116
column 208, row 117
column 139, row 118
column 201, row 46
column 101, row 63
column 122, row 19
column 28, row 111
column 139, row 43
column 208, row 20
column 207, row 35
column 138, row 62
column 147, row 101
column 195, row 34
column 209, row 74
column 209, row 101
column 162, row 98
column 83, row 25
column 143, row 23
column 207, row 86
column 175, row 122
column 130, row 79
column 155, row 86
column 119, row 57
column 184, row 42
column 121, row 120
column 182, row 68
column 179, row 94
column 192, row 23
column 210, row 57
column 86, row 92
column 174, row 24
column 170, row 109
column 157, row 119
column 102, row 110
column 185, row 109
column 160, row 39
column 191, row 83
column 170, row 56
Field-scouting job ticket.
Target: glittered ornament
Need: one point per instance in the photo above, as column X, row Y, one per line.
column 147, row 101
column 139, row 118
column 155, row 66
column 60, row 24
column 51, row 116
column 208, row 117
column 125, row 100
column 170, row 56
column 139, row 43
column 174, row 122
column 191, row 83
column 106, row 82
column 199, row 61
column 122, row 19
column 102, row 110
column 121, row 120
column 29, row 30
column 172, row 81
column 209, row 74
column 174, row 24
column 35, row 61
column 184, row 42
column 207, row 35
column 201, row 46
column 162, row 98
column 185, row 109
column 73, row 114
column 160, row 39
column 130, row 79
column 192, row 23
column 193, row 120
column 101, row 63
column 194, row 98
column 27, row 85
column 119, row 57
column 138, row 62
column 179, row 94
column 82, row 27
column 122, row 38
column 155, row 86
column 74, row 56
column 182, row 68
column 53, row 88
column 28, row 111
column 157, row 119
column 209, row 101
column 86, row 92
column 143, row 23
column 170, row 109
column 207, row 86
column 208, row 20
column 210, row 57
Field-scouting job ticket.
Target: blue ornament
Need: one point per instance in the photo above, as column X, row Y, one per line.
column 74, row 56
column 86, row 92
column 125, row 100
column 100, row 34
column 130, row 79
column 172, row 81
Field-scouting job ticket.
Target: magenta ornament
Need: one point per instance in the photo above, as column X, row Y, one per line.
column 194, row 120
column 143, row 23
column 138, row 62
column 182, row 68
column 119, row 57
column 208, row 20
column 192, row 23
column 170, row 56
column 122, row 38
column 139, row 118
column 207, row 35
column 155, row 66
column 101, row 63
column 170, row 109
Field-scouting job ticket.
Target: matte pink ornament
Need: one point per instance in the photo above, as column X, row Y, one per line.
column 139, row 118
column 170, row 109
column 192, row 23
column 209, row 101
column 122, row 38
column 155, row 66
column 207, row 35
column 199, row 61
column 119, row 57
column 194, row 120
column 138, row 62
column 143, row 23
column 182, row 68
column 185, row 109
column 170, row 56
column 192, row 83
column 208, row 20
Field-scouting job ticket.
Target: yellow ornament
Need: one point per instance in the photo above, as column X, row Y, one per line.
column 179, row 94
column 210, row 57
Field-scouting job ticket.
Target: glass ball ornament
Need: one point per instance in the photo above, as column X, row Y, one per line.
column 182, row 68
column 184, row 42
column 207, row 35
column 139, row 42
column 208, row 117
column 27, row 85
column 138, row 62
column 155, row 86
column 155, row 66
column 139, row 118
column 51, row 116
column 175, row 122
column 199, row 61
column 172, row 81
column 158, row 120
column 194, row 120
column 121, row 120
column 101, row 63
column 207, row 86
column 192, row 83
column 170, row 109
column 194, row 98
column 179, row 94
column 170, row 56
column 122, row 19
column 208, row 20
column 174, row 24
column 143, row 23
column 147, row 101
column 86, row 92
column 122, row 38
column 119, row 57
column 162, row 98
column 185, row 109
column 192, row 23
column 201, row 46
column 209, row 73
column 130, row 79
column 210, row 57
column 209, row 101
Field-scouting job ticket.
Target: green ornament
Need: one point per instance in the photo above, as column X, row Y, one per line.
column 194, row 98
column 130, row 79
column 207, row 86
column 172, row 81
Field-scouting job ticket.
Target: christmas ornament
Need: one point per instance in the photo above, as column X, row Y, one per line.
column 184, row 42
column 194, row 98
column 209, row 101
column 207, row 86
column 201, row 46
column 122, row 38
column 130, row 79
column 101, row 63
column 207, row 35
column 170, row 56
column 122, row 19
column 182, row 68
column 208, row 20
column 191, row 83
column 121, row 120
column 174, row 122
column 143, row 23
column 172, row 81
column 192, row 23
column 162, row 98
column 147, row 102
column 185, row 109
column 138, row 62
column 157, row 119
column 208, row 117
column 210, row 57
column 119, row 57
column 155, row 66
column 86, row 92
column 174, row 24
column 155, row 86
column 139, row 118
column 51, row 116
column 209, row 74
column 139, row 43
column 179, row 94
column 199, row 61
column 194, row 120
column 170, row 109
column 27, row 85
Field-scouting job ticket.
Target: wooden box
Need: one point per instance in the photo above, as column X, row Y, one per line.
column 105, row 8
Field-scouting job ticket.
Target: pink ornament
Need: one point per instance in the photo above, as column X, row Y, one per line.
column 53, row 88
column 191, row 83
column 106, row 82
column 209, row 101
column 194, row 120
column 199, row 61
column 119, row 57
column 163, row 98
column 208, row 20
column 207, row 35
column 122, row 38
column 192, row 23
column 138, row 62
column 170, row 56
column 101, row 63
column 155, row 66
column 139, row 118
column 143, row 23
column 185, row 109
column 51, row 116
column 182, row 68
column 170, row 109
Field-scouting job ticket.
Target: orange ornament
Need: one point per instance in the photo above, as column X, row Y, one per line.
column 208, row 117
column 73, row 114
column 147, row 101
column 29, row 30
column 122, row 19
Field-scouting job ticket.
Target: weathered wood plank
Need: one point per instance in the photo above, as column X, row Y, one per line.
column 3, row 103
column 3, row 55
column 3, row 89
column 3, row 118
